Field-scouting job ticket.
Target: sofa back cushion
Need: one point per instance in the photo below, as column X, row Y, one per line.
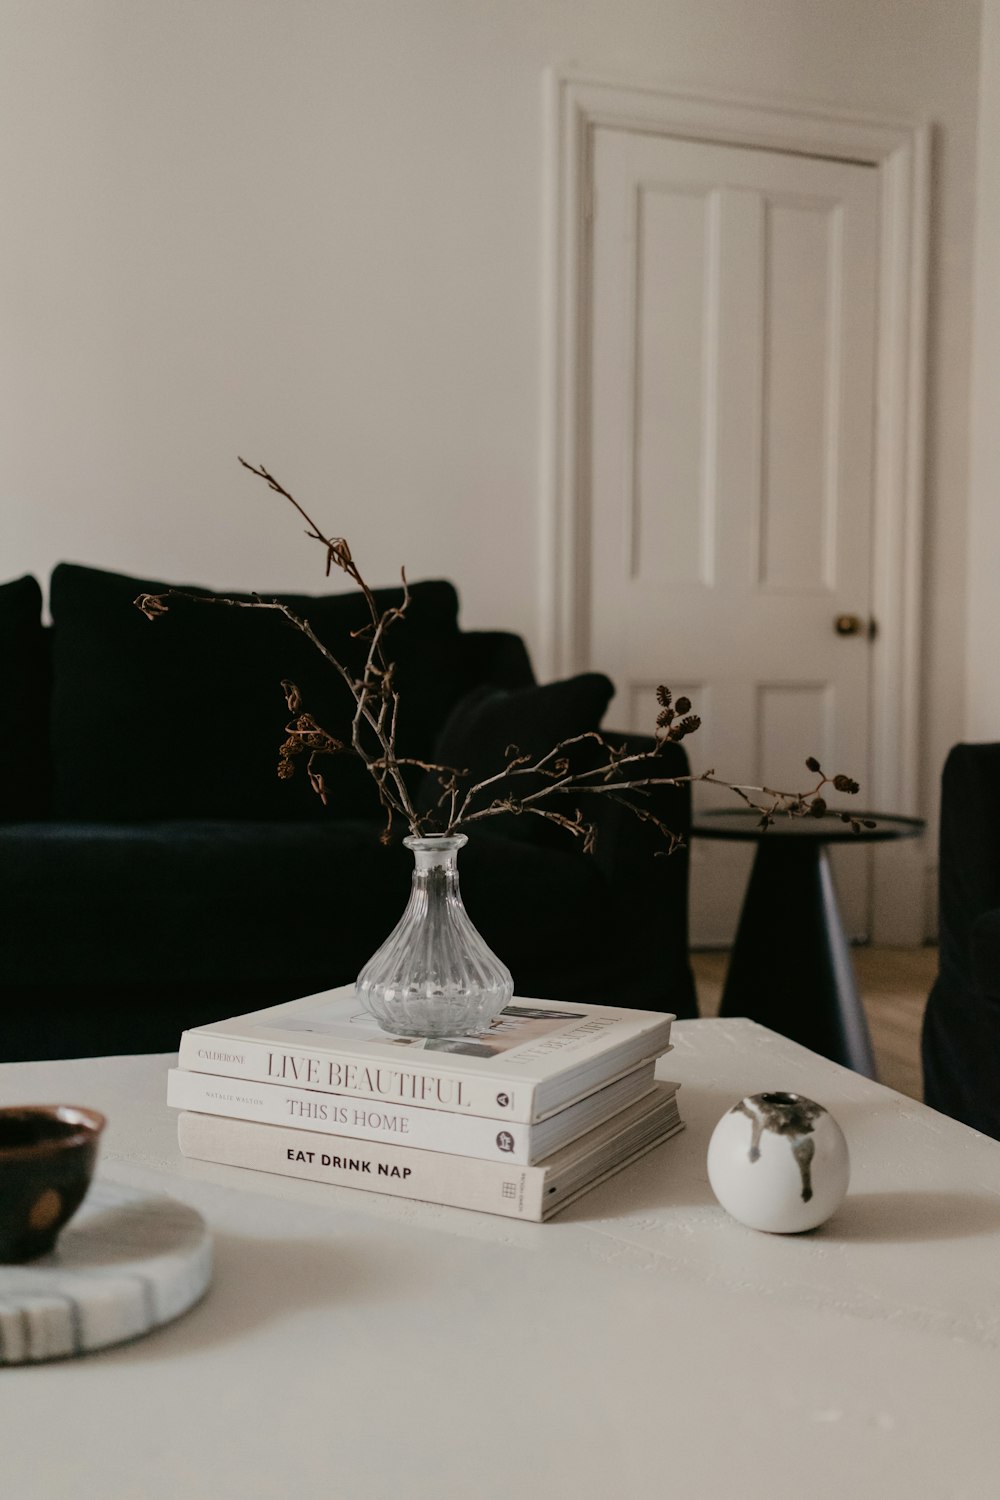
column 183, row 716
column 488, row 721
column 24, row 703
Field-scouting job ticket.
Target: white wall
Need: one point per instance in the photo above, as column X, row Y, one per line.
column 309, row 231
column 982, row 682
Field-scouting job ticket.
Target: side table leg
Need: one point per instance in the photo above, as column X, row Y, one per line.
column 791, row 965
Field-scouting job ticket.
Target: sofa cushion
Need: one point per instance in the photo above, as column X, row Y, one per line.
column 183, row 716
column 179, row 901
column 175, row 901
column 115, row 937
column 24, row 699
column 487, row 721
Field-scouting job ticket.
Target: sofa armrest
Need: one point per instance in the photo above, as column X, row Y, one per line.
column 625, row 840
column 648, row 885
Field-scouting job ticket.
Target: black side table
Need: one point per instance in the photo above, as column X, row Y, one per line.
column 790, row 967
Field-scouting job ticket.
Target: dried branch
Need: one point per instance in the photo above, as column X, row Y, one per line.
column 626, row 777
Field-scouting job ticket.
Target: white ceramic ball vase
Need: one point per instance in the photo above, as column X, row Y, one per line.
column 779, row 1162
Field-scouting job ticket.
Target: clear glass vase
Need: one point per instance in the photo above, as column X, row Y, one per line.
column 434, row 975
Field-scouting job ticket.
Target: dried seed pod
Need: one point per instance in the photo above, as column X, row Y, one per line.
column 845, row 784
column 687, row 726
column 151, row 605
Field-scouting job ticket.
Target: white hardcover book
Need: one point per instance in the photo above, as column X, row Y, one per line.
column 499, row 1187
column 405, row 1124
column 537, row 1057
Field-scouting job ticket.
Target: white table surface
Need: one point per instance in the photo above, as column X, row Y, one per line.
column 640, row 1344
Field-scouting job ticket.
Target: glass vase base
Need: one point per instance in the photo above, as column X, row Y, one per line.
column 432, row 1016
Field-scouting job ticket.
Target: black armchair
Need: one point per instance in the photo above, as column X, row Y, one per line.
column 961, row 1032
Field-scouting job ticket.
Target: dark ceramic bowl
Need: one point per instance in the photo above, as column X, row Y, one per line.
column 47, row 1156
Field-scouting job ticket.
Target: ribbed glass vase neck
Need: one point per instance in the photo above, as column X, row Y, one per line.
column 436, row 852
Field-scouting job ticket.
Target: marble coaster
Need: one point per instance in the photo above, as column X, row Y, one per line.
column 127, row 1262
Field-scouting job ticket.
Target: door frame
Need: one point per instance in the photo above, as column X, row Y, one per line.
column 900, row 152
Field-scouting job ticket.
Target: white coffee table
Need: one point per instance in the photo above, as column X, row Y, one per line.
column 355, row 1347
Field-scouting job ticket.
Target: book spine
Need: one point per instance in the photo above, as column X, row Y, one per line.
column 361, row 1119
column 455, row 1181
column 412, row 1082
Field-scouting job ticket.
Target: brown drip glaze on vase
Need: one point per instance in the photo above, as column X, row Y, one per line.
column 784, row 1114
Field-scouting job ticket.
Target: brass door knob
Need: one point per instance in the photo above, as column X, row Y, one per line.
column 848, row 625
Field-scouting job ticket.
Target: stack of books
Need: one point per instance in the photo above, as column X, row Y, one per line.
column 520, row 1120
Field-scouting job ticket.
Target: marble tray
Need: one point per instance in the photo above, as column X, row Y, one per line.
column 127, row 1262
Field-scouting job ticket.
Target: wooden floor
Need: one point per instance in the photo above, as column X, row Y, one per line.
column 894, row 984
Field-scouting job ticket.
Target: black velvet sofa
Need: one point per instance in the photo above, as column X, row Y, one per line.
column 156, row 873
column 961, row 1031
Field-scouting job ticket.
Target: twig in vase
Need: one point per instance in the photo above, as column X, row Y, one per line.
column 624, row 776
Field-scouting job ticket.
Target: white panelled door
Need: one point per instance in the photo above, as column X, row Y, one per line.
column 733, row 308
